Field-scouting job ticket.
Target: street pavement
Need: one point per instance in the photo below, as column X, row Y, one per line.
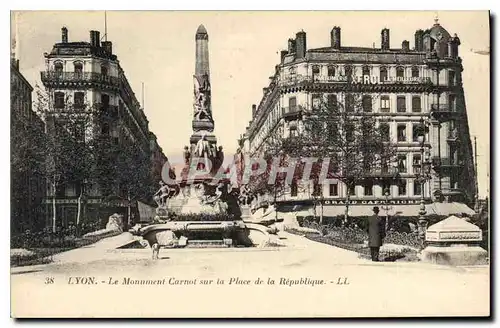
column 310, row 280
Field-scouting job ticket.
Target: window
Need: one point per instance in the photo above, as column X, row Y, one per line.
column 418, row 130
column 78, row 69
column 402, row 188
column 386, row 188
column 417, row 162
column 105, row 128
column 401, row 132
column 366, row 71
column 334, row 189
column 402, row 167
column 415, row 72
column 59, row 100
column 451, row 78
column 451, row 102
column 332, row 130
column 367, row 103
column 401, row 104
column 292, row 72
column 78, row 99
column 316, row 101
column 400, row 73
column 315, row 70
column 58, row 68
column 349, row 132
column 416, row 104
column 104, row 70
column 385, row 104
column 385, row 131
column 349, row 73
column 349, row 102
column 417, row 188
column 317, row 189
column 352, row 190
column 293, row 132
column 332, row 101
column 383, row 74
column 293, row 189
column 368, row 188
column 331, row 70
column 292, row 104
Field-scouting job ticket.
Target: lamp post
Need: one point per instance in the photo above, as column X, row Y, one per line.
column 386, row 208
column 422, row 175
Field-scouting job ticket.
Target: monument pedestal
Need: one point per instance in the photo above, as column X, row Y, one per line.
column 454, row 241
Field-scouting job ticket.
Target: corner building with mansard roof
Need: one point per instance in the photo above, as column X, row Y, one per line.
column 81, row 79
column 403, row 88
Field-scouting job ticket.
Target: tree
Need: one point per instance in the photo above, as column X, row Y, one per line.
column 69, row 157
column 344, row 136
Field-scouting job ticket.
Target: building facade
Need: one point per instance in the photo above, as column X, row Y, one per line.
column 84, row 80
column 411, row 92
column 27, row 183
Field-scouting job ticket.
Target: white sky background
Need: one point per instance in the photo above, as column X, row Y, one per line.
column 158, row 48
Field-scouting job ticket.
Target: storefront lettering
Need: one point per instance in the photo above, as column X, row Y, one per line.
column 372, row 202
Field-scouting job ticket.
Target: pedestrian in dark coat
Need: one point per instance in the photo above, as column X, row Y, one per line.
column 376, row 234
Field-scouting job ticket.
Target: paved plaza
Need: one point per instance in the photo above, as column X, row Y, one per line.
column 350, row 286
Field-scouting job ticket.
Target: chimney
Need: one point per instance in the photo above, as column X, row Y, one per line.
column 283, row 54
column 335, row 38
column 405, row 45
column 291, row 46
column 419, row 40
column 64, row 35
column 386, row 44
column 301, row 44
column 108, row 46
column 254, row 110
column 95, row 40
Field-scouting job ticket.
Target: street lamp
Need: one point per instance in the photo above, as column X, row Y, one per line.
column 386, row 208
column 421, row 176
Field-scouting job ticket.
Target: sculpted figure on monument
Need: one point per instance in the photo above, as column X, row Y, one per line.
column 187, row 155
column 202, row 99
column 161, row 196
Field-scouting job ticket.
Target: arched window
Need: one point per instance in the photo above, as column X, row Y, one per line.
column 331, row 70
column 400, row 72
column 58, row 68
column 366, row 70
column 415, row 72
column 78, row 67
column 383, row 74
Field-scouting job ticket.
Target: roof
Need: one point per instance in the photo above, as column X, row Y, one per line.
column 438, row 33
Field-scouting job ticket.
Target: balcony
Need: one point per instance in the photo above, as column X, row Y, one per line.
column 445, row 163
column 70, row 78
column 382, row 173
column 452, row 136
column 442, row 112
column 110, row 111
column 292, row 113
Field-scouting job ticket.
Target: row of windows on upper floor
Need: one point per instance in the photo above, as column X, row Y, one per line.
column 366, row 189
column 349, row 70
column 78, row 67
column 351, row 104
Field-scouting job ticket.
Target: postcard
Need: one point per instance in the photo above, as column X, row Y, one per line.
column 250, row 164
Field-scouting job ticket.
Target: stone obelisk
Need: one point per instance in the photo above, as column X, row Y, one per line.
column 203, row 141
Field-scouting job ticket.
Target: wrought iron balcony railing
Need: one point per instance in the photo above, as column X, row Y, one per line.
column 55, row 77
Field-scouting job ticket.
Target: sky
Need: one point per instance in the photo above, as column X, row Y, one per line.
column 157, row 48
